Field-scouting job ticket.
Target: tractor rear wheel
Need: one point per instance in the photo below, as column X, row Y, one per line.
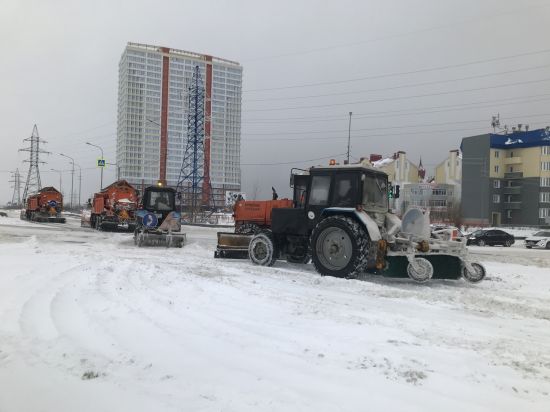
column 339, row 247
column 262, row 249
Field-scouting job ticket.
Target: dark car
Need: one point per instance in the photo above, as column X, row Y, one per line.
column 490, row 237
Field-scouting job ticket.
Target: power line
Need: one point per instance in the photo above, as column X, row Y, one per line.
column 401, row 86
column 362, row 136
column 420, row 110
column 447, row 25
column 401, row 97
column 397, row 127
column 424, row 70
column 401, row 134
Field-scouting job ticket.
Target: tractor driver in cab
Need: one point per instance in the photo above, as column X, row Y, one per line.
column 161, row 202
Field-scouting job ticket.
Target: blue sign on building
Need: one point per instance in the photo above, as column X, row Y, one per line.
column 532, row 138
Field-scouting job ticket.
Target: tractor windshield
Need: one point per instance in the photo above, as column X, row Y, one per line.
column 375, row 192
column 161, row 201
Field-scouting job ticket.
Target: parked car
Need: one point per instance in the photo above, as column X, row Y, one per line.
column 490, row 237
column 539, row 239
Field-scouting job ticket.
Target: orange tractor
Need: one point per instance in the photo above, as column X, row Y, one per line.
column 44, row 206
column 114, row 207
column 251, row 217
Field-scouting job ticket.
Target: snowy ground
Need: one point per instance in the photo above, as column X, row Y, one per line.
column 89, row 322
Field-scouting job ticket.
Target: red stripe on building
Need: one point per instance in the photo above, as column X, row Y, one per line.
column 207, row 131
column 164, row 115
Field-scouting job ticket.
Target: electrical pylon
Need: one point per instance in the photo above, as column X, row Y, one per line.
column 16, row 180
column 194, row 186
column 33, row 183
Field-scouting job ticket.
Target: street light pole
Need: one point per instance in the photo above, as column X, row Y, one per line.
column 117, row 169
column 72, row 176
column 349, row 133
column 99, row 147
column 79, row 183
column 58, row 171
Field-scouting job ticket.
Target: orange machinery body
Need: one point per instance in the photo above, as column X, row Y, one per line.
column 257, row 212
column 44, row 206
column 41, row 201
column 114, row 205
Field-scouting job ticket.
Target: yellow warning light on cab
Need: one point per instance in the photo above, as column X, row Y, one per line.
column 332, row 162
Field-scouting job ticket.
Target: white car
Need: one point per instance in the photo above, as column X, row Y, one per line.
column 539, row 239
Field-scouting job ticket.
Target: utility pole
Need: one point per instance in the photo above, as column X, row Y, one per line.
column 99, row 147
column 72, row 176
column 349, row 133
column 33, row 183
column 16, row 197
column 117, row 169
column 60, row 181
column 79, row 183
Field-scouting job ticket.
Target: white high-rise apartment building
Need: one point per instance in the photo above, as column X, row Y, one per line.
column 152, row 115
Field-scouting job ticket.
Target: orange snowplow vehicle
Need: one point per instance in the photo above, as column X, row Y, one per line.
column 253, row 215
column 114, row 207
column 44, row 206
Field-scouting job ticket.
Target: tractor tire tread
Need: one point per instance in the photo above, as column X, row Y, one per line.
column 359, row 238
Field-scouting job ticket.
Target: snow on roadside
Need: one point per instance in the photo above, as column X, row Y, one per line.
column 90, row 322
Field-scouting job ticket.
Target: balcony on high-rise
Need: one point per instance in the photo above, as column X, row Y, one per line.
column 513, row 175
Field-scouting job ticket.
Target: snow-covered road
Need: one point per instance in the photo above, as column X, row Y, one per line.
column 89, row 322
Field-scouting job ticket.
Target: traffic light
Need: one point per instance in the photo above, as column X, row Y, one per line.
column 390, row 192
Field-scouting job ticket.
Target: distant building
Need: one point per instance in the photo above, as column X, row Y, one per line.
column 398, row 168
column 400, row 171
column 153, row 109
column 449, row 172
column 506, row 178
column 439, row 199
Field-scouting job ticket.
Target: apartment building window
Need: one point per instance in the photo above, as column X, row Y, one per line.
column 544, row 212
column 545, row 182
column 509, row 214
column 496, row 184
column 545, row 166
column 496, row 169
column 497, row 154
column 545, row 197
column 496, row 198
column 545, row 150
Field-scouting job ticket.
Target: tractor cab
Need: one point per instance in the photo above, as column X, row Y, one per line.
column 322, row 191
column 159, row 200
column 158, row 222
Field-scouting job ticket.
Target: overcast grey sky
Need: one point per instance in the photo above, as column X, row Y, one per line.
column 59, row 69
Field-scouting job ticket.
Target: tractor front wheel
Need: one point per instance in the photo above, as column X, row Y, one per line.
column 420, row 269
column 339, row 247
column 474, row 276
column 262, row 249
